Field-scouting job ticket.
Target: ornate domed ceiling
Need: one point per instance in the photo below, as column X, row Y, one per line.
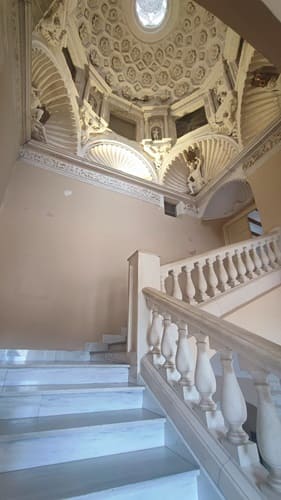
column 158, row 89
column 145, row 69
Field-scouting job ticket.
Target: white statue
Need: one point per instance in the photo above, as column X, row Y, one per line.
column 195, row 180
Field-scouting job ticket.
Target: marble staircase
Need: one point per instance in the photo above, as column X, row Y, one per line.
column 79, row 429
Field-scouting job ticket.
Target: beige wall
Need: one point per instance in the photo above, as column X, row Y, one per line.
column 261, row 316
column 9, row 115
column 266, row 185
column 63, row 258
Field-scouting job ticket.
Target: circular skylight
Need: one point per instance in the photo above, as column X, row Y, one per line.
column 151, row 13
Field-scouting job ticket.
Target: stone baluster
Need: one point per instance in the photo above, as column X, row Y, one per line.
column 184, row 356
column 202, row 283
column 264, row 257
column 212, row 277
column 276, row 249
column 256, row 259
column 189, row 287
column 205, row 380
column 155, row 332
column 271, row 255
column 232, row 271
column 177, row 293
column 222, row 274
column 241, row 267
column 250, row 266
column 234, row 408
column 167, row 344
column 268, row 431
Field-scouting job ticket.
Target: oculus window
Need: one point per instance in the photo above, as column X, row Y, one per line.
column 151, row 13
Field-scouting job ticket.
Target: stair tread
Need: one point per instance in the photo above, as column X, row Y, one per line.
column 14, row 427
column 63, row 364
column 77, row 478
column 27, row 390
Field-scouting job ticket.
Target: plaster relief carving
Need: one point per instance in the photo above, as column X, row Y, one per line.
column 265, row 77
column 157, row 149
column 53, row 26
column 221, row 106
column 187, row 168
column 84, row 174
column 91, row 123
column 264, row 146
column 37, row 111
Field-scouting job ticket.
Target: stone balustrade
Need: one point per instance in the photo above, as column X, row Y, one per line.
column 198, row 279
column 189, row 371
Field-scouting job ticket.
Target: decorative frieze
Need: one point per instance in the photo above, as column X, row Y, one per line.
column 270, row 141
column 84, row 174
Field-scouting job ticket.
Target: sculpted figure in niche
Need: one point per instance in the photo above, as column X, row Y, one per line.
column 156, row 133
column 37, row 112
column 52, row 27
column 195, row 180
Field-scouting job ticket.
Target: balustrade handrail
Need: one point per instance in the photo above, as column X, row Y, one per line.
column 220, row 250
column 257, row 350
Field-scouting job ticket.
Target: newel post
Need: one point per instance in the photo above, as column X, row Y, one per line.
column 144, row 271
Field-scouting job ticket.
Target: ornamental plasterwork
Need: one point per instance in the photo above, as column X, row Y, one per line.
column 188, row 167
column 162, row 72
column 84, row 174
column 38, row 131
column 271, row 141
column 221, row 105
column 91, row 123
column 122, row 157
column 53, row 25
column 157, row 150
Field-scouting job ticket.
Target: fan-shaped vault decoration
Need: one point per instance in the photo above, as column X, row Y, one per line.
column 202, row 159
column 114, row 154
column 53, row 116
column 261, row 99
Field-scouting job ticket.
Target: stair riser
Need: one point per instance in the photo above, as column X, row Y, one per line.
column 179, row 486
column 51, row 447
column 117, row 357
column 15, row 355
column 59, row 404
column 63, row 375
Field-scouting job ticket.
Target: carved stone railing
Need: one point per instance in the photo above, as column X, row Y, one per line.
column 169, row 328
column 198, row 279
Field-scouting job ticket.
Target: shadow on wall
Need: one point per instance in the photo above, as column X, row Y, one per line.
column 228, row 200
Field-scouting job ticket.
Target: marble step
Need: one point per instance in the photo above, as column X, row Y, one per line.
column 44, row 400
column 33, row 442
column 142, row 475
column 116, row 357
column 62, row 373
column 114, row 339
column 30, row 355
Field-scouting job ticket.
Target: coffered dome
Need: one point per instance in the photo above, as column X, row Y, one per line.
column 145, row 67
